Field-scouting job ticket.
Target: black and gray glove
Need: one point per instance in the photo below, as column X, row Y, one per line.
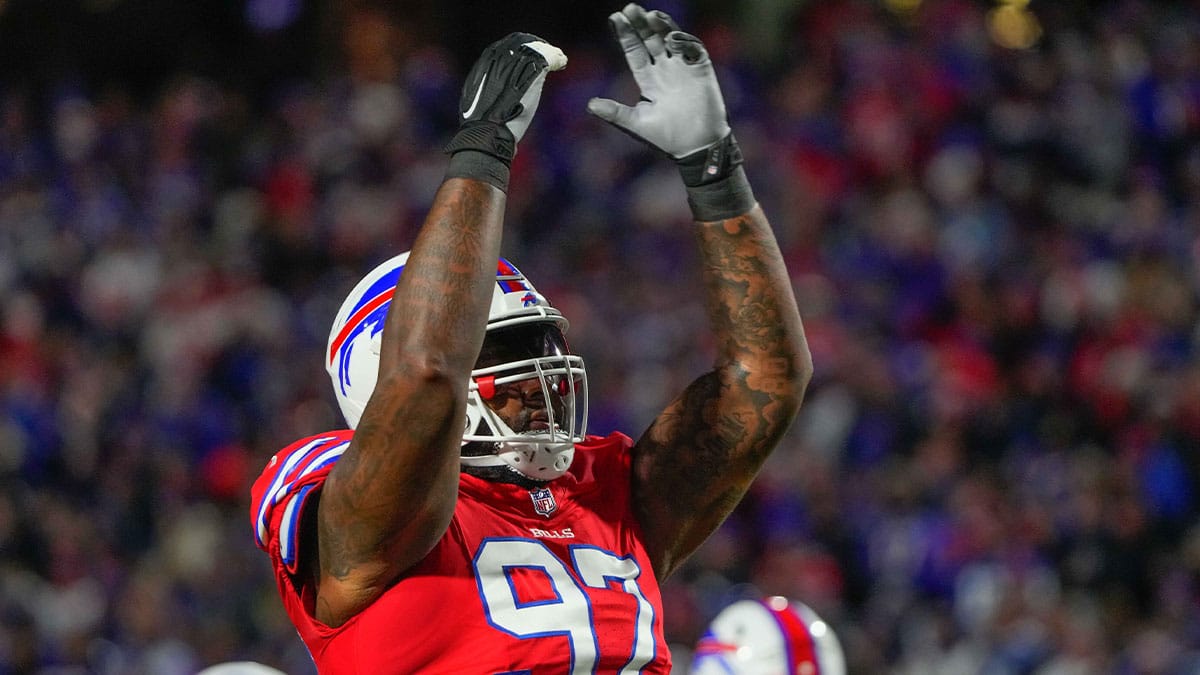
column 682, row 112
column 498, row 101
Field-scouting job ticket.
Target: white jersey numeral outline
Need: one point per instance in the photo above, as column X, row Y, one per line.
column 569, row 612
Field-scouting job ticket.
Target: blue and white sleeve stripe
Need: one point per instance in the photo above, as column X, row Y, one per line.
column 277, row 491
column 290, row 527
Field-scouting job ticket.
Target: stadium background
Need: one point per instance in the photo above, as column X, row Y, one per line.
column 990, row 214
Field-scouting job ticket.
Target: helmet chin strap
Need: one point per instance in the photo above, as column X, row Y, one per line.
column 536, row 459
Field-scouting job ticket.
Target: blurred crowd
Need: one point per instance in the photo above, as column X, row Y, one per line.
column 996, row 253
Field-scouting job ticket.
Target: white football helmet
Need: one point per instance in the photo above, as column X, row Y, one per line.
column 524, row 339
column 772, row 636
column 240, row 668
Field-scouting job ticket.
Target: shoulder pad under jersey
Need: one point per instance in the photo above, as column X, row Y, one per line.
column 278, row 497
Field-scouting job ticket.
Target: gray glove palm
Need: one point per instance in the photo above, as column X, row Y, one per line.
column 682, row 111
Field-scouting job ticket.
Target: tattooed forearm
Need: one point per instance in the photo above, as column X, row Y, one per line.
column 749, row 298
column 442, row 279
column 762, row 361
column 392, row 493
column 698, row 458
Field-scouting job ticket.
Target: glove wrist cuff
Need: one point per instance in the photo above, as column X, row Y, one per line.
column 712, row 164
column 716, row 183
column 725, row 198
column 486, row 137
column 478, row 165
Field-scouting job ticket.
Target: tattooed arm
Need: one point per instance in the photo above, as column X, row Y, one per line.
column 698, row 458
column 392, row 494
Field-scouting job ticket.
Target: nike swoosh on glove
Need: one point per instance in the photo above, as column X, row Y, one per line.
column 501, row 94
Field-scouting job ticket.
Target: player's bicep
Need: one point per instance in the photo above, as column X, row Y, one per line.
column 691, row 467
column 298, row 552
column 391, row 496
column 393, row 493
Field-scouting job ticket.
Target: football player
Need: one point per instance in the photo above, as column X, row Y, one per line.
column 769, row 636
column 468, row 522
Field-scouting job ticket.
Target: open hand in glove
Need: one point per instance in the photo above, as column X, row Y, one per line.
column 682, row 110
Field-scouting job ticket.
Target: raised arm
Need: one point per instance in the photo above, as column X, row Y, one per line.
column 391, row 495
column 699, row 456
column 697, row 459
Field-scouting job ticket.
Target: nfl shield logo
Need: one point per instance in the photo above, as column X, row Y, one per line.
column 543, row 501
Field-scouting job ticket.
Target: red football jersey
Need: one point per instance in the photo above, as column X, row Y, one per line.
column 544, row 582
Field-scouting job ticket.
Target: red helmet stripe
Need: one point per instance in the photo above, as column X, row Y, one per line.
column 357, row 318
column 799, row 641
column 505, row 268
column 711, row 645
column 513, row 285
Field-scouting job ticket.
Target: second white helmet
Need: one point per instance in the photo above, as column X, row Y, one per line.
column 772, row 636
